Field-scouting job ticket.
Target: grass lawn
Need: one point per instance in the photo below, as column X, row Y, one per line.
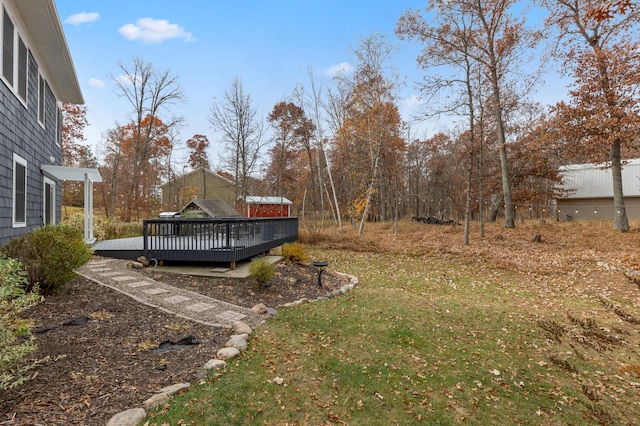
column 503, row 331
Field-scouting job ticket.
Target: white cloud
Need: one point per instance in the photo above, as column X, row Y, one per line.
column 413, row 101
column 154, row 31
column 96, row 83
column 126, row 79
column 341, row 68
column 82, row 18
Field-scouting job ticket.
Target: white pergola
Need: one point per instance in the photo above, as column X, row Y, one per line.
column 79, row 174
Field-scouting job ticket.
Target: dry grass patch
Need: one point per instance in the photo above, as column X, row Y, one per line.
column 439, row 332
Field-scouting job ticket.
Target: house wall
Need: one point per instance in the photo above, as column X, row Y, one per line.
column 22, row 134
column 204, row 186
column 595, row 209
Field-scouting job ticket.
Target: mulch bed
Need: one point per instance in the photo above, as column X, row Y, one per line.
column 101, row 345
column 290, row 282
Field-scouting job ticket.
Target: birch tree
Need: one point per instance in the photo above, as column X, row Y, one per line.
column 372, row 125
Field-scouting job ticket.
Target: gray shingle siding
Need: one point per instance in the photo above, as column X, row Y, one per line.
column 22, row 134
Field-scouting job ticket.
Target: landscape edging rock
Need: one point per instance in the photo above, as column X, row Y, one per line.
column 133, row 416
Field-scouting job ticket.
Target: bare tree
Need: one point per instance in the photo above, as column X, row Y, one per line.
column 311, row 100
column 496, row 41
column 448, row 42
column 235, row 119
column 149, row 92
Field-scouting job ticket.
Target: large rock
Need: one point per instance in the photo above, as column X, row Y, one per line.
column 128, row 418
column 215, row 364
column 239, row 327
column 260, row 308
column 238, row 341
column 173, row 389
column 155, row 401
column 143, row 260
column 228, row 353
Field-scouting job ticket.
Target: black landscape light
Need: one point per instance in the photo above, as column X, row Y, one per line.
column 320, row 266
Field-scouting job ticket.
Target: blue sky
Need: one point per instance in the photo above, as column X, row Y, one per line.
column 268, row 45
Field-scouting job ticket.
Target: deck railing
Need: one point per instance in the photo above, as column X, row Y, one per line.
column 215, row 240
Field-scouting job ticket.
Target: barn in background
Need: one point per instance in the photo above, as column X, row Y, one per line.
column 201, row 184
column 589, row 192
column 257, row 206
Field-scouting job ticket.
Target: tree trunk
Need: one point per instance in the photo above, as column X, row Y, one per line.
column 333, row 187
column 370, row 190
column 621, row 223
column 492, row 64
column 467, row 207
column 481, row 171
column 314, row 189
column 509, row 221
column 304, row 201
column 495, row 207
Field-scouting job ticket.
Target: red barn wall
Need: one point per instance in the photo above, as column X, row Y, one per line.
column 268, row 210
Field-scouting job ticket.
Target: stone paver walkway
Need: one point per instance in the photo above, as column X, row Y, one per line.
column 115, row 274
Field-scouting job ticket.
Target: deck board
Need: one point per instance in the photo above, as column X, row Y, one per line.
column 133, row 243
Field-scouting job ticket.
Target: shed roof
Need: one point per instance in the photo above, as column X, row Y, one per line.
column 594, row 180
column 256, row 199
column 214, row 208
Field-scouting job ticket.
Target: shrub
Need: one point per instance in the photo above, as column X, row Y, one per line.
column 15, row 336
column 104, row 229
column 115, row 229
column 49, row 255
column 294, row 253
column 261, row 272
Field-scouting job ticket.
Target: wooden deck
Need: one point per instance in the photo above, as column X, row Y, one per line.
column 122, row 248
column 203, row 240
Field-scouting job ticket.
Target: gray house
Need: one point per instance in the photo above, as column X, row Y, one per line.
column 36, row 76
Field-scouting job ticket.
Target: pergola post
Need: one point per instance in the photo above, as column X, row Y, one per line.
column 79, row 174
column 88, row 210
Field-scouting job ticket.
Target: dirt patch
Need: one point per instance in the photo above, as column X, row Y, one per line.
column 108, row 363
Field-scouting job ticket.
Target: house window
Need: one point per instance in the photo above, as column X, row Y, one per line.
column 22, row 69
column 49, row 214
column 7, row 48
column 19, row 191
column 41, row 92
column 15, row 58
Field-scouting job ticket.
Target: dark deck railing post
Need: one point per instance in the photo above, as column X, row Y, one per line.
column 144, row 238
